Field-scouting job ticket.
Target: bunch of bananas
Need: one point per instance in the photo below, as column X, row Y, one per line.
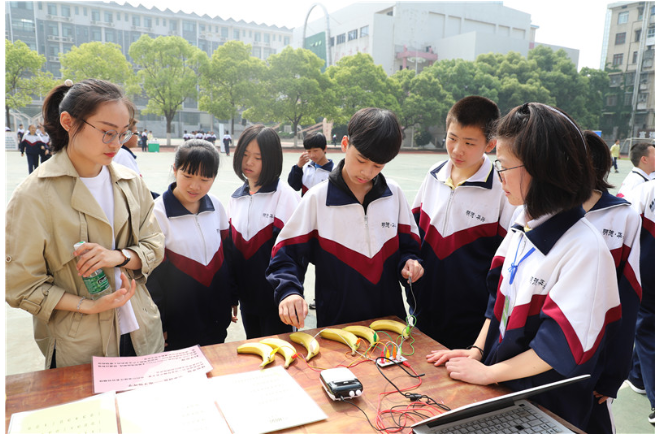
column 394, row 326
column 268, row 347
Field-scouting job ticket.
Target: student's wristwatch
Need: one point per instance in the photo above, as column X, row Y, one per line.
column 126, row 255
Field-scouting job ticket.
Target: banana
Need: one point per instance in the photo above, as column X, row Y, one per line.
column 363, row 332
column 390, row 325
column 285, row 348
column 265, row 351
column 308, row 341
column 342, row 336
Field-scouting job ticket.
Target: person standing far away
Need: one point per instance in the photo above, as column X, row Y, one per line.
column 79, row 195
column 227, row 141
column 643, row 157
column 144, row 137
column 32, row 145
column 313, row 166
column 614, row 153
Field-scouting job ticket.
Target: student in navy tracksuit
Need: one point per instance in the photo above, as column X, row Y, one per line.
column 358, row 231
column 31, row 145
column 463, row 216
column 191, row 286
column 554, row 295
column 619, row 225
column 313, row 166
column 258, row 210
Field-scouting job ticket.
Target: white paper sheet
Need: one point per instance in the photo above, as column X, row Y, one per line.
column 264, row 401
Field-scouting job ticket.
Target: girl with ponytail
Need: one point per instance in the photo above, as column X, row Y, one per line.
column 79, row 195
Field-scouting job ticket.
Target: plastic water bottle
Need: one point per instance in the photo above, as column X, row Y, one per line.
column 97, row 283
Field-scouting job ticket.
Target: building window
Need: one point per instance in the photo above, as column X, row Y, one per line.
column 52, row 9
column 96, row 15
column 136, row 20
column 236, row 34
column 638, row 34
column 224, row 32
column 256, row 36
column 352, row 35
column 612, row 100
column 642, row 97
column 651, row 32
column 634, row 57
column 109, row 36
column 286, row 41
column 615, row 80
column 617, row 59
column 189, row 26
column 108, row 17
column 66, row 11
column 620, row 38
column 266, row 38
column 53, row 29
column 148, row 22
column 365, row 31
column 340, row 39
column 623, row 18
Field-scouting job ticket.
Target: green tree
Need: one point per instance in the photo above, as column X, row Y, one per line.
column 102, row 61
column 168, row 72
column 294, row 90
column 23, row 76
column 230, row 81
column 597, row 85
column 618, row 109
column 359, row 83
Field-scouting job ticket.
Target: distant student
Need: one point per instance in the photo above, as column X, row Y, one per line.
column 619, row 224
column 553, row 286
column 313, row 166
column 643, row 374
column 258, row 210
column 32, row 145
column 227, row 140
column 643, row 157
column 614, row 152
column 463, row 216
column 191, row 286
column 358, row 231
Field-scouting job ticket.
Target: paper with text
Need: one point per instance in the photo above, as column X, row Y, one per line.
column 128, row 373
column 264, row 401
column 181, row 406
column 93, row 415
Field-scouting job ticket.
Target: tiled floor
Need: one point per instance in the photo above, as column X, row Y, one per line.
column 22, row 355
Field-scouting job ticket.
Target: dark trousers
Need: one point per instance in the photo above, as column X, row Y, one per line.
column 643, row 372
column 226, row 146
column 614, row 162
column 32, row 161
column 257, row 326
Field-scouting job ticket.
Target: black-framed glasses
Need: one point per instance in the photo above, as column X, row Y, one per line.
column 500, row 169
column 110, row 135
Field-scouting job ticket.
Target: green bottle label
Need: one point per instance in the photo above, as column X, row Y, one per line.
column 97, row 282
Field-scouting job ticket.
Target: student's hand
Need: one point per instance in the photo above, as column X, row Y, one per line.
column 469, row 370
column 113, row 300
column 94, row 256
column 600, row 397
column 303, row 159
column 413, row 269
column 293, row 311
column 440, row 357
column 234, row 314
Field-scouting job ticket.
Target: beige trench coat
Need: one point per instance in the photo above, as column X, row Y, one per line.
column 49, row 212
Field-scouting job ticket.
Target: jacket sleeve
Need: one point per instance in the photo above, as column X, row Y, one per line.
column 156, row 285
column 148, row 239
column 408, row 235
column 29, row 285
column 295, row 177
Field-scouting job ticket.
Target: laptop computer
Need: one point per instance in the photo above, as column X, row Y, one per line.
column 507, row 414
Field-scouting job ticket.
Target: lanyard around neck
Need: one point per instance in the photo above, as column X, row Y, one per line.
column 514, row 267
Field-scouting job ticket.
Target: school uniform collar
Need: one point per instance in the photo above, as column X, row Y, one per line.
column 608, row 201
column 127, row 149
column 482, row 178
column 641, row 172
column 244, row 189
column 328, row 166
column 339, row 194
column 548, row 229
column 174, row 208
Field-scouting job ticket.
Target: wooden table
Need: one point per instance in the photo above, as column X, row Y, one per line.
column 31, row 391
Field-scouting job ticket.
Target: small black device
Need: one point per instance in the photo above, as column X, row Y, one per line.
column 340, row 383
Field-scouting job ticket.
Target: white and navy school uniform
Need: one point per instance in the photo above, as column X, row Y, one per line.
column 255, row 223
column 310, row 174
column 619, row 225
column 31, row 145
column 634, row 178
column 191, row 286
column 644, row 362
column 554, row 290
column 461, row 228
column 358, row 250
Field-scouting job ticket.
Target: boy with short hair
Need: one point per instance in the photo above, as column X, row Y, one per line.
column 358, row 231
column 313, row 166
column 463, row 216
column 643, row 157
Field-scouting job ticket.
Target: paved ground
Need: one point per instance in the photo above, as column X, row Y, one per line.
column 408, row 169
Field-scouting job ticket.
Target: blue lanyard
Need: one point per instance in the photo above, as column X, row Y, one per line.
column 515, row 265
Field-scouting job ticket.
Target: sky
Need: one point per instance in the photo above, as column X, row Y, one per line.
column 575, row 24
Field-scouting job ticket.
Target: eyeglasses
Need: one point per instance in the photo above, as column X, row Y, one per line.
column 110, row 135
column 500, row 169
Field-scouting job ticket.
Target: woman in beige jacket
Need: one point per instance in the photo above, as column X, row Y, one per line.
column 70, row 199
